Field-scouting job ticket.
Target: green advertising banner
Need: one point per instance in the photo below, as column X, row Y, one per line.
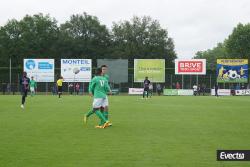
column 170, row 92
column 154, row 69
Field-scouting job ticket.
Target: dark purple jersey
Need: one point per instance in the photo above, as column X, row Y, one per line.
column 146, row 83
column 24, row 82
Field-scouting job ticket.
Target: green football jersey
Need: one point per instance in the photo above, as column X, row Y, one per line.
column 106, row 77
column 32, row 84
column 99, row 86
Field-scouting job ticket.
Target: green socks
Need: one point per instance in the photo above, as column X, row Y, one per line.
column 100, row 115
column 105, row 114
column 89, row 113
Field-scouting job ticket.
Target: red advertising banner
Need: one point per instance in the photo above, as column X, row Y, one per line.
column 190, row 67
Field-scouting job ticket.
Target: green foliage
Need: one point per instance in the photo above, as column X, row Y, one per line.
column 142, row 38
column 10, row 36
column 238, row 43
column 236, row 46
column 32, row 37
column 211, row 55
column 83, row 36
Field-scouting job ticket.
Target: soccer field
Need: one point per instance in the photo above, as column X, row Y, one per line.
column 162, row 131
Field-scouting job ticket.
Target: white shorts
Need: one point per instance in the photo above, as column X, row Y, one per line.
column 100, row 102
column 32, row 89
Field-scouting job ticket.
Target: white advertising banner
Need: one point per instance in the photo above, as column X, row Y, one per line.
column 185, row 92
column 190, row 66
column 41, row 69
column 243, row 92
column 135, row 91
column 76, row 70
column 221, row 92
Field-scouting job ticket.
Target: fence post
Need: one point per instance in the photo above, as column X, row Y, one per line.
column 18, row 88
column 210, row 81
column 68, row 87
column 197, row 79
column 46, row 88
column 171, row 80
column 82, row 88
column 190, row 81
column 10, row 75
column 132, row 80
column 182, row 82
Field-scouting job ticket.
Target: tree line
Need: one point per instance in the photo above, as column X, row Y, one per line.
column 235, row 46
column 83, row 36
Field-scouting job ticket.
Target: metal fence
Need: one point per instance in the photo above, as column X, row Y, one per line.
column 171, row 80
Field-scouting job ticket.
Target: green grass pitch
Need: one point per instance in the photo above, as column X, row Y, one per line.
column 162, row 131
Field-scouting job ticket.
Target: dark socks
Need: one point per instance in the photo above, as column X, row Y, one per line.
column 23, row 100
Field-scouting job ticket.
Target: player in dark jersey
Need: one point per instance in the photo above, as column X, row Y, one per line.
column 24, row 82
column 216, row 87
column 146, row 84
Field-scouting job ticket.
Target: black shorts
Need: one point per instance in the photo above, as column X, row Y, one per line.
column 24, row 93
column 59, row 88
column 146, row 89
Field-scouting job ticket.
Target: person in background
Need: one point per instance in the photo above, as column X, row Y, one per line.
column 8, row 88
column 242, row 86
column 232, row 89
column 33, row 86
column 71, row 88
column 216, row 87
column 3, row 88
column 150, row 90
column 199, row 89
column 146, row 87
column 203, row 89
column 59, row 86
column 77, row 88
column 178, row 86
column 173, row 86
column 195, row 88
column 54, row 89
column 158, row 88
column 24, row 82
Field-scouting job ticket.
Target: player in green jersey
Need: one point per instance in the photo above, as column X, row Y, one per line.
column 98, row 88
column 104, row 109
column 33, row 86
